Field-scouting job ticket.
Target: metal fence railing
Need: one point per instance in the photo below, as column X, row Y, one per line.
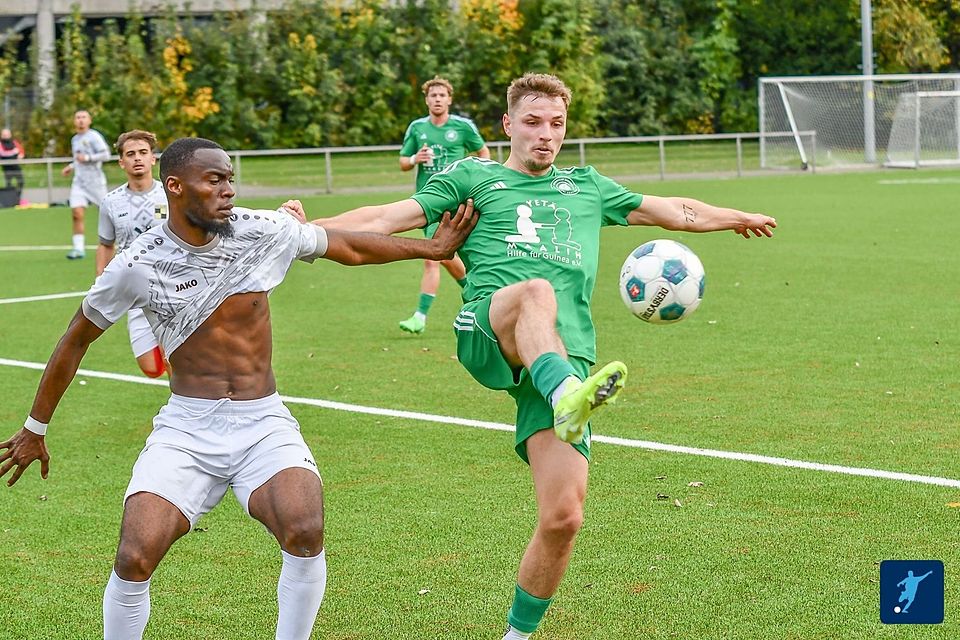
column 344, row 169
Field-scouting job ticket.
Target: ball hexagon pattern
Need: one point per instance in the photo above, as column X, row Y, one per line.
column 662, row 281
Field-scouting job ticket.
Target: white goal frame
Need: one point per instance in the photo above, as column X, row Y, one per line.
column 917, row 142
column 851, row 116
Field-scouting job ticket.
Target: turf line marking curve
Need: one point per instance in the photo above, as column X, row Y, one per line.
column 497, row 426
column 42, row 247
column 51, row 296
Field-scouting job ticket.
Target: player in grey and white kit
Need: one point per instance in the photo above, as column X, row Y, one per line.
column 202, row 279
column 89, row 186
column 125, row 213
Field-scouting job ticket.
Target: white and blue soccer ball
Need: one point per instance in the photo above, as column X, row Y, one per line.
column 662, row 281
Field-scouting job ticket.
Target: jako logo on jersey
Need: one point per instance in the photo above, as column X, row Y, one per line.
column 565, row 185
column 189, row 284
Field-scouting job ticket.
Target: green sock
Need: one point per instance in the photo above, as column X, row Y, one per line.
column 462, row 282
column 426, row 299
column 527, row 611
column 548, row 371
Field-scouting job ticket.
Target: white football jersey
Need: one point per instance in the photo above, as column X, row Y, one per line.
column 91, row 144
column 125, row 214
column 179, row 285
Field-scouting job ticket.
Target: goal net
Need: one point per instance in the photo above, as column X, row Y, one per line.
column 926, row 130
column 852, row 117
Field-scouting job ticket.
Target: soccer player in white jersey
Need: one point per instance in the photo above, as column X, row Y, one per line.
column 202, row 279
column 125, row 213
column 89, row 186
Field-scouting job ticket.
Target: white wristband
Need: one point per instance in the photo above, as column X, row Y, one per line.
column 413, row 159
column 35, row 426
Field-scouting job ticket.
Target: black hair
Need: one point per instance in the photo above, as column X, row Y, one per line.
column 178, row 155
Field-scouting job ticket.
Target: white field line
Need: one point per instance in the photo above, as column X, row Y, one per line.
column 51, row 296
column 43, row 247
column 920, row 181
column 497, row 426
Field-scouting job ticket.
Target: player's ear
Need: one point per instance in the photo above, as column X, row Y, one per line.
column 506, row 124
column 173, row 185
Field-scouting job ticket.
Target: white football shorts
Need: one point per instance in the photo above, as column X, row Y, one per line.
column 142, row 339
column 199, row 448
column 87, row 194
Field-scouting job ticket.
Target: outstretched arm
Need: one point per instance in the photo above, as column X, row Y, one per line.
column 394, row 217
column 687, row 214
column 26, row 445
column 356, row 248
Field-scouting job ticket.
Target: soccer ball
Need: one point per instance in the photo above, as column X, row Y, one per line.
column 662, row 281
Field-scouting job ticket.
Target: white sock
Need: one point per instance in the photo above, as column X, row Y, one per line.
column 78, row 242
column 513, row 634
column 555, row 396
column 419, row 316
column 126, row 608
column 299, row 593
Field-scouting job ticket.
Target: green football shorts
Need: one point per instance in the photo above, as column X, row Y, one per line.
column 479, row 353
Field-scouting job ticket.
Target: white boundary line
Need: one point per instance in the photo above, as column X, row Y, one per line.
column 52, row 296
column 42, row 247
column 497, row 426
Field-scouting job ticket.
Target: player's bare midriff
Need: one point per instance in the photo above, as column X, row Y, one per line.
column 229, row 355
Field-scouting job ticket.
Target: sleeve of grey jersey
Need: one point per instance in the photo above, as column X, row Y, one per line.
column 320, row 248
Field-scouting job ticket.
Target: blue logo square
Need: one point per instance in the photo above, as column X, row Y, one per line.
column 911, row 592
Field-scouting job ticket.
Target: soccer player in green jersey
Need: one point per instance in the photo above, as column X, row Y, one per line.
column 526, row 326
column 431, row 144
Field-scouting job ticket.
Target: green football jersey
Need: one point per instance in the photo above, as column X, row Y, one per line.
column 453, row 141
column 534, row 227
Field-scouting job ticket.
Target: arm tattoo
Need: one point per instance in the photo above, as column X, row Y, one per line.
column 688, row 213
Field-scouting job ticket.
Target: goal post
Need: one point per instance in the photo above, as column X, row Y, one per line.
column 925, row 130
column 837, row 108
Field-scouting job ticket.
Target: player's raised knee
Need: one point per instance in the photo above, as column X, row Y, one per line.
column 538, row 290
column 304, row 537
column 133, row 564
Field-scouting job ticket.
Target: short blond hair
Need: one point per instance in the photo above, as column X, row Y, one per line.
column 437, row 81
column 537, row 84
column 136, row 134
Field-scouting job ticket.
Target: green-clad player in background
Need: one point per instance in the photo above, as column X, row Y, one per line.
column 431, row 144
column 526, row 326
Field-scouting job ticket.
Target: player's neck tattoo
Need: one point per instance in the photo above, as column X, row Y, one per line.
column 689, row 214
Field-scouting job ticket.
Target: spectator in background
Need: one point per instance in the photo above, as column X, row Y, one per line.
column 11, row 149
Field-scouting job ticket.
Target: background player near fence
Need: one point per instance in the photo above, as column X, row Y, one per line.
column 89, row 151
column 526, row 324
column 202, row 279
column 430, row 144
column 125, row 213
